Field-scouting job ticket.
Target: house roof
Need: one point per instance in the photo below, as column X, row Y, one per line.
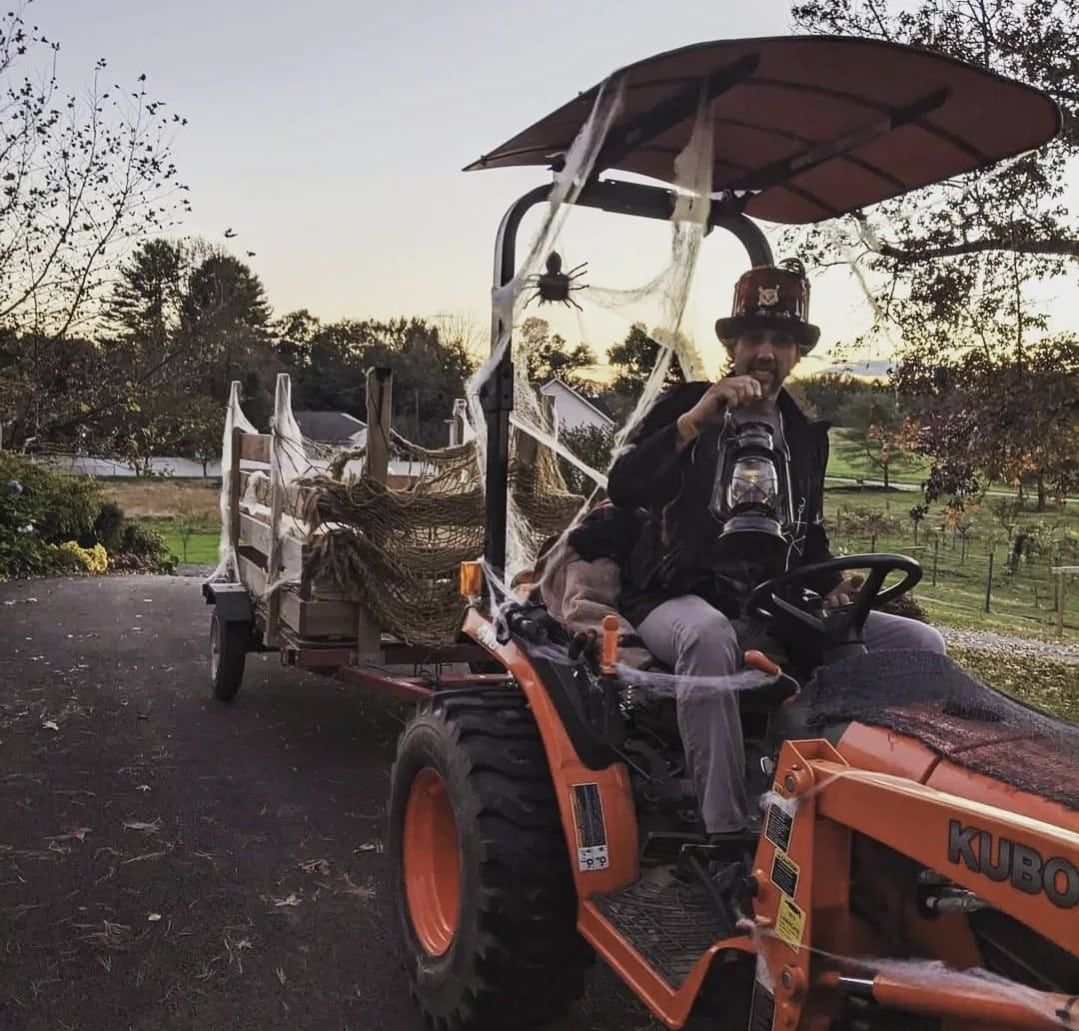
column 593, row 402
column 329, row 427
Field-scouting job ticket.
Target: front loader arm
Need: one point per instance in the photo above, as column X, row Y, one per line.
column 807, row 936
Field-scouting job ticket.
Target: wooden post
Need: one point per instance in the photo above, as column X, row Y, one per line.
column 989, row 581
column 234, row 500
column 377, row 468
column 1060, row 573
column 379, row 409
column 936, row 549
column 273, row 560
column 460, row 419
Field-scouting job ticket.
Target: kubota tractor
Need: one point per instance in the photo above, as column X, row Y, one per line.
column 918, row 862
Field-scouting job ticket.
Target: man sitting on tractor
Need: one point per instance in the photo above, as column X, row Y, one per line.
column 684, row 595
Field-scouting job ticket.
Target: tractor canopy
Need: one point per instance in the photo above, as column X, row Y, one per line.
column 805, row 127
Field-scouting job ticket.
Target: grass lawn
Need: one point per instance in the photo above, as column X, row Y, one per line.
column 159, row 498
column 848, row 460
column 201, row 545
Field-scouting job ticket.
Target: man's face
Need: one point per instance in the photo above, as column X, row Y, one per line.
column 767, row 355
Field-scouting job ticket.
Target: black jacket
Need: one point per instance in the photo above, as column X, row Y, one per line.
column 673, row 553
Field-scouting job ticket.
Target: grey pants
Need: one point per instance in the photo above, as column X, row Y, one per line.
column 695, row 639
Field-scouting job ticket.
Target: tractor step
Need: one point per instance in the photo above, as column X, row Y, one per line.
column 671, row 922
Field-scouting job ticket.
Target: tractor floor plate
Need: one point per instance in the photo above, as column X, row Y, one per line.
column 670, row 922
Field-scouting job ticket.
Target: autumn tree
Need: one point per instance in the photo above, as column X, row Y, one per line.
column 592, row 445
column 632, row 359
column 829, row 392
column 329, row 366
column 873, row 421
column 956, row 270
column 547, row 356
column 82, row 175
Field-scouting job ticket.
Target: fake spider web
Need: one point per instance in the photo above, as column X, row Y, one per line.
column 660, row 302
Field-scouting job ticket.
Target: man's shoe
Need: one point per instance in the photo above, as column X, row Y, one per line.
column 751, row 832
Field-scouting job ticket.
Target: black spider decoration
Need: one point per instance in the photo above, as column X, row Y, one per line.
column 554, row 285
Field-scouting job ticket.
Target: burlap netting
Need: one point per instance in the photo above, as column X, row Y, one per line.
column 397, row 550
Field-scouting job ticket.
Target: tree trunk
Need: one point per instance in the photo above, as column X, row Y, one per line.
column 887, row 484
column 1041, row 492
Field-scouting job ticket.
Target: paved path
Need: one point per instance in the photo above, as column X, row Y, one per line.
column 168, row 862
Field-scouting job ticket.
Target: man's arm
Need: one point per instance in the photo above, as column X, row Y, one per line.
column 649, row 471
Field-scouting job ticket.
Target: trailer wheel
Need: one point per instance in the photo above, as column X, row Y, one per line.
column 479, row 872
column 228, row 653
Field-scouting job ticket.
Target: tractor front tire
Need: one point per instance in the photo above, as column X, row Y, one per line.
column 479, row 871
column 228, row 654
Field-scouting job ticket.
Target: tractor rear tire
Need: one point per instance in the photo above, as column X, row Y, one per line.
column 480, row 877
column 228, row 655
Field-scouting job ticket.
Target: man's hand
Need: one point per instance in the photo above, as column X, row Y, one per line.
column 843, row 593
column 711, row 408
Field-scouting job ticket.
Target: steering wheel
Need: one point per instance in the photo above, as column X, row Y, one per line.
column 836, row 625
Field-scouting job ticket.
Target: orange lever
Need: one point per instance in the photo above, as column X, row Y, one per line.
column 609, row 653
column 758, row 660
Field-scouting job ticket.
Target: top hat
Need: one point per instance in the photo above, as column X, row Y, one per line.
column 771, row 297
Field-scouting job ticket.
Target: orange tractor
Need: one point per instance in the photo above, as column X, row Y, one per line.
column 918, row 861
column 918, row 864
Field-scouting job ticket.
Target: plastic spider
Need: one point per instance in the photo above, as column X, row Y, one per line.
column 556, row 285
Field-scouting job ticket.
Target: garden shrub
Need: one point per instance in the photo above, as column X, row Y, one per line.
column 52, row 523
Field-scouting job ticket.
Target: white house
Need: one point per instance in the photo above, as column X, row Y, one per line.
column 572, row 409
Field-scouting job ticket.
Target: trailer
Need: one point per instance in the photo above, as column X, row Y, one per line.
column 310, row 622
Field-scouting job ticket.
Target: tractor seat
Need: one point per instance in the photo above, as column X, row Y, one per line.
column 926, row 696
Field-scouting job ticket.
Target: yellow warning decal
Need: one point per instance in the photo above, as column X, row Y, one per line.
column 790, row 923
column 785, row 874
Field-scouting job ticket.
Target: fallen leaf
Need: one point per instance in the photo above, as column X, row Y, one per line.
column 50, row 725
column 141, row 825
column 369, row 846
column 289, row 900
column 153, row 917
column 315, row 866
column 143, row 787
column 78, row 834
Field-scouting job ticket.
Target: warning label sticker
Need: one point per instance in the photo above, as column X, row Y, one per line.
column 592, row 852
column 790, row 923
column 762, row 1011
column 778, row 829
column 785, row 874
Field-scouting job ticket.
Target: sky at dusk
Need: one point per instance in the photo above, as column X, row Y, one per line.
column 329, row 136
